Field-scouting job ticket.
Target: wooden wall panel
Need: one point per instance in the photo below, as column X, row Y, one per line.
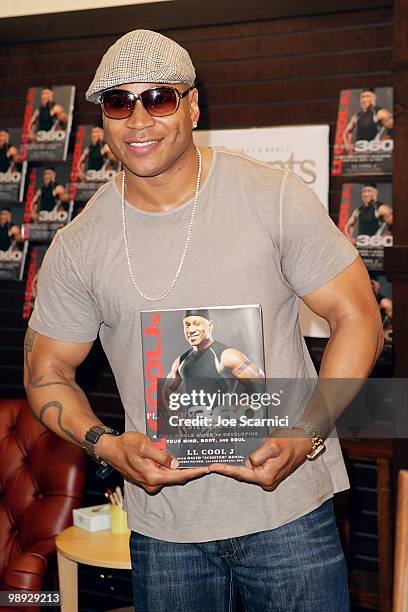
column 253, row 73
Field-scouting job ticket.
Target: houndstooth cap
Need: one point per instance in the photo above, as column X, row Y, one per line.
column 141, row 56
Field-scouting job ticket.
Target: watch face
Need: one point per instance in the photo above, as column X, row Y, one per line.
column 93, row 434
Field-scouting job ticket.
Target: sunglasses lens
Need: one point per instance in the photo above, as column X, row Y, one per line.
column 118, row 104
column 160, row 102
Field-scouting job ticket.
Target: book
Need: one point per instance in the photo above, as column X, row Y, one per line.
column 92, row 164
column 47, row 206
column 47, row 123
column 366, row 219
column 13, row 247
column 203, row 379
column 12, row 169
column 364, row 138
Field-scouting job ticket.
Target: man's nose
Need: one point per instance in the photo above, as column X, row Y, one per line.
column 140, row 118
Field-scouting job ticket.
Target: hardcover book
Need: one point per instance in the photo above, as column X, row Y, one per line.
column 364, row 139
column 93, row 163
column 366, row 218
column 203, row 381
column 47, row 206
column 12, row 169
column 13, row 248
column 47, row 123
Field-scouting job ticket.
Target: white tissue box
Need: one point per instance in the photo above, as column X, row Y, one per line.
column 92, row 518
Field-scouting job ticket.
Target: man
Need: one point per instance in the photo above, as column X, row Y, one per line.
column 373, row 218
column 48, row 116
column 96, row 155
column 181, row 221
column 8, row 152
column 371, row 123
column 10, row 234
column 50, row 196
column 213, row 365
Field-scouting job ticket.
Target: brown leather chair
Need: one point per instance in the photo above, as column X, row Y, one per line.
column 41, row 480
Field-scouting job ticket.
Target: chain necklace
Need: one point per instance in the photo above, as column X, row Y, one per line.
column 156, row 298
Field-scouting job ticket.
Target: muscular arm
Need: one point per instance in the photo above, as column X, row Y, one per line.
column 61, row 405
column 347, row 302
column 348, row 228
column 240, row 366
column 49, row 379
column 348, row 133
column 34, row 203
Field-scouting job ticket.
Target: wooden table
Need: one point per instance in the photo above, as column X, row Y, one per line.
column 99, row 548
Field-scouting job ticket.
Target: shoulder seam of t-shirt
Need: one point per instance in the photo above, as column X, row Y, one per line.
column 78, row 274
column 281, row 196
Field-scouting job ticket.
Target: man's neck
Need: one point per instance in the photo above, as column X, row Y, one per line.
column 170, row 189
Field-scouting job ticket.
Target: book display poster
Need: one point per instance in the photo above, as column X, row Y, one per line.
column 12, row 170
column 47, row 207
column 366, row 218
column 364, row 139
column 196, row 408
column 47, row 123
column 304, row 149
column 93, row 163
column 13, row 249
column 35, row 259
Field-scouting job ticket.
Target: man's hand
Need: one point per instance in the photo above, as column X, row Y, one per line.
column 272, row 462
column 142, row 463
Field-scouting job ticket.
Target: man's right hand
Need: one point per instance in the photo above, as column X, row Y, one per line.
column 135, row 456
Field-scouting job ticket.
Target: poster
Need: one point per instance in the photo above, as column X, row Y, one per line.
column 92, row 163
column 12, row 170
column 13, row 248
column 301, row 148
column 364, row 139
column 366, row 218
column 203, row 377
column 47, row 123
column 47, row 207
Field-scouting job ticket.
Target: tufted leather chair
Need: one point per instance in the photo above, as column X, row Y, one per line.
column 41, row 481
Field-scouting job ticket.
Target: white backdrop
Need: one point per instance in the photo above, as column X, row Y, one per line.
column 18, row 8
column 305, row 150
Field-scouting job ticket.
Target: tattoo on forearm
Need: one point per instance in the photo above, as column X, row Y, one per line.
column 29, row 339
column 243, row 366
column 58, row 405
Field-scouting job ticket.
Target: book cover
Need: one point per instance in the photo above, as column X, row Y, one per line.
column 13, row 247
column 47, row 206
column 47, row 123
column 364, row 139
column 93, row 163
column 366, row 219
column 12, row 169
column 203, row 380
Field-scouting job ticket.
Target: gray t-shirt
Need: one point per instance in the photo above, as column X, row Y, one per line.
column 260, row 237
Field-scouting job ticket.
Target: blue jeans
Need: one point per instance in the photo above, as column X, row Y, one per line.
column 298, row 567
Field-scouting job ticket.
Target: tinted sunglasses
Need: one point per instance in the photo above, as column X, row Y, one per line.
column 158, row 101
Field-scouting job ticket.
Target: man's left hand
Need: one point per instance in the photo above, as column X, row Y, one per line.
column 271, row 463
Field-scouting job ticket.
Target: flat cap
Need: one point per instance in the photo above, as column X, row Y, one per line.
column 141, row 56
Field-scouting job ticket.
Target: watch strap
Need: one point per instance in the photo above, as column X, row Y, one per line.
column 91, row 438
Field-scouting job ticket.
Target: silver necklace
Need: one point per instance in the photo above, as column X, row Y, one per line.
column 156, row 298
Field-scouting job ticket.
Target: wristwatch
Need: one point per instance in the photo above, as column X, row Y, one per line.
column 318, row 445
column 91, row 438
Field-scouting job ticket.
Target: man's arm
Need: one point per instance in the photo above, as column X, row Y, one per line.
column 348, row 134
column 241, row 367
column 348, row 228
column 61, row 405
column 347, row 302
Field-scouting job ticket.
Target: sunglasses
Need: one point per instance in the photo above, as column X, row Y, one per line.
column 158, row 101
